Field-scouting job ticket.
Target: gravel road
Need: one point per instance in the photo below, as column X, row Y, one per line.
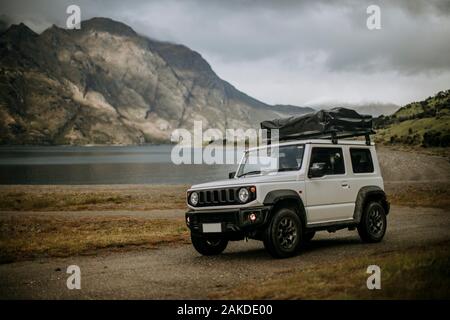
column 181, row 273
column 405, row 166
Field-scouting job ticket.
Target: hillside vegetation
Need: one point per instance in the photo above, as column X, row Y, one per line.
column 425, row 123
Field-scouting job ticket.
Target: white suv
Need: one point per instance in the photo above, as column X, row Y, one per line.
column 316, row 185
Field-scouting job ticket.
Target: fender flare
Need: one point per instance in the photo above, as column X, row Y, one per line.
column 363, row 194
column 275, row 196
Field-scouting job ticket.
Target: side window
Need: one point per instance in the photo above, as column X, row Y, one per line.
column 331, row 159
column 361, row 160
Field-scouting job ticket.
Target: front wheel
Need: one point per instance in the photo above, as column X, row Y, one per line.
column 208, row 246
column 373, row 223
column 284, row 234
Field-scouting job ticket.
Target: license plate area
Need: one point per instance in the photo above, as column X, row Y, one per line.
column 212, row 227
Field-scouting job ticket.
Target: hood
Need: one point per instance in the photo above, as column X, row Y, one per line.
column 256, row 179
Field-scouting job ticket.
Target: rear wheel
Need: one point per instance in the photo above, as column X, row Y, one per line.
column 208, row 246
column 373, row 223
column 284, row 234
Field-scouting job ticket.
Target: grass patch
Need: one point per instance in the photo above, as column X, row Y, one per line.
column 29, row 237
column 415, row 273
column 54, row 198
column 430, row 151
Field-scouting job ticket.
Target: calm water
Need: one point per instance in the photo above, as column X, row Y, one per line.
column 101, row 165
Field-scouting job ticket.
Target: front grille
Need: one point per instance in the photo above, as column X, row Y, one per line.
column 221, row 196
column 217, row 197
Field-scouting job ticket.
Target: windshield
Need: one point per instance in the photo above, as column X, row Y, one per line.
column 266, row 160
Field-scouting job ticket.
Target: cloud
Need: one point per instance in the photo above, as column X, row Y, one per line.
column 301, row 44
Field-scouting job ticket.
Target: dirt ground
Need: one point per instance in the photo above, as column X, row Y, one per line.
column 181, row 273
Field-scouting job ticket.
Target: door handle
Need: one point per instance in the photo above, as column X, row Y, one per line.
column 345, row 185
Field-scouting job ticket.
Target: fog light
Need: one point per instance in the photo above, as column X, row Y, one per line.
column 252, row 217
column 187, row 220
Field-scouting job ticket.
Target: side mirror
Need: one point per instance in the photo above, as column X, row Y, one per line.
column 231, row 175
column 317, row 170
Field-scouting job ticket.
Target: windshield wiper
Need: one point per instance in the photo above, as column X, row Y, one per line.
column 250, row 173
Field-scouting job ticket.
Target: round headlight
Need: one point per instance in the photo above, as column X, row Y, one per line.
column 193, row 198
column 243, row 195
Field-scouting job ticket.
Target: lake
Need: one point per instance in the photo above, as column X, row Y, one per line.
column 148, row 164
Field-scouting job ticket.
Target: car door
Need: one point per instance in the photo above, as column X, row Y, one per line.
column 328, row 198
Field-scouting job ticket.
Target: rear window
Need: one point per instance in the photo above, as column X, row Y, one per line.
column 361, row 160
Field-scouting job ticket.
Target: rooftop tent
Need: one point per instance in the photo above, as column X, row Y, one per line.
column 326, row 124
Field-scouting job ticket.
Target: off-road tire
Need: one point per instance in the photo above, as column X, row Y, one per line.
column 372, row 226
column 208, row 246
column 283, row 235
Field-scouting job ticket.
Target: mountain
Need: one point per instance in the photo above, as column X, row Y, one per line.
column 373, row 108
column 106, row 84
column 425, row 123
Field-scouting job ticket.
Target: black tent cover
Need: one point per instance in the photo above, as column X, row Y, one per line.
column 333, row 123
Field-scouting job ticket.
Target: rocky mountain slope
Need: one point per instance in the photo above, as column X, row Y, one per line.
column 105, row 84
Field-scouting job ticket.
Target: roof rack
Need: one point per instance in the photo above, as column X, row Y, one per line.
column 333, row 135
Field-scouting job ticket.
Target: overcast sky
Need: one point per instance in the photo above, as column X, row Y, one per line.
column 289, row 52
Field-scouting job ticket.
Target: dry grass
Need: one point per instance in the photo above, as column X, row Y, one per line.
column 29, row 237
column 87, row 198
column 435, row 195
column 415, row 273
column 413, row 149
column 81, row 198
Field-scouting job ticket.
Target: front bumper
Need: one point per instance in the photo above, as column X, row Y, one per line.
column 231, row 220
